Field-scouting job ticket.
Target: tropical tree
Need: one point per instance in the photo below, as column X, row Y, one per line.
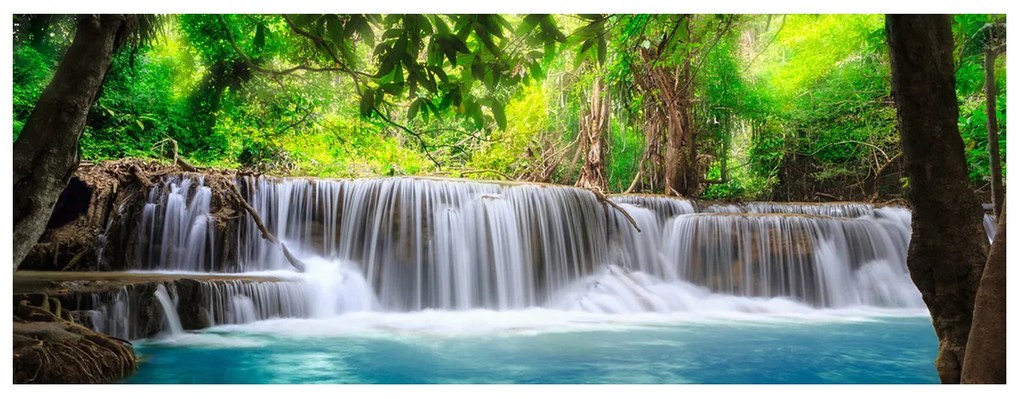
column 46, row 151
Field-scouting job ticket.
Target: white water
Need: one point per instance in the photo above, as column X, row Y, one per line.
column 243, row 310
column 989, row 223
column 176, row 230
column 171, row 323
column 537, row 320
column 379, row 246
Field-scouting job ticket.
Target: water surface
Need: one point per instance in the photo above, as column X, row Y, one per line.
column 547, row 347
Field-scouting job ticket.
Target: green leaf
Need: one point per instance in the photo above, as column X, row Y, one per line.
column 334, row 29
column 585, row 46
column 459, row 44
column 602, row 51
column 529, row 23
column 550, row 29
column 365, row 31
column 412, row 110
column 439, row 73
column 447, row 99
column 498, row 114
column 367, row 102
column 392, row 33
column 477, row 69
column 441, row 26
column 260, row 38
column 475, row 111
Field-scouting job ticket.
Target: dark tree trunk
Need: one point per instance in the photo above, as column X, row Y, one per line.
column 593, row 136
column 995, row 164
column 985, row 359
column 948, row 246
column 46, row 151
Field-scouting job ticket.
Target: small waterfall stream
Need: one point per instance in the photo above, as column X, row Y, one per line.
column 171, row 323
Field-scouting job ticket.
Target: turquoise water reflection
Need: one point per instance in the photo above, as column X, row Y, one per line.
column 879, row 350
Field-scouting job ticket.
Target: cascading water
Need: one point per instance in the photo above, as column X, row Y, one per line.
column 818, row 260
column 176, row 230
column 989, row 224
column 123, row 313
column 238, row 302
column 407, row 244
column 171, row 323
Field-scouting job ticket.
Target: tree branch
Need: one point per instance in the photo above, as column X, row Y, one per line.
column 294, row 261
column 421, row 141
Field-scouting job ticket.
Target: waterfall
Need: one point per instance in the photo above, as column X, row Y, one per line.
column 243, row 310
column 239, row 302
column 663, row 207
column 171, row 323
column 111, row 313
column 816, row 259
column 407, row 244
column 434, row 244
column 989, row 224
column 126, row 312
column 832, row 209
column 176, row 231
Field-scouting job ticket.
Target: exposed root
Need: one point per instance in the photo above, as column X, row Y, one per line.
column 74, row 261
column 140, row 176
column 52, row 349
column 62, row 352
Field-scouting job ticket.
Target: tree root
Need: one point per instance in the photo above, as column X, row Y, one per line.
column 61, row 352
column 49, row 348
column 140, row 176
column 74, row 261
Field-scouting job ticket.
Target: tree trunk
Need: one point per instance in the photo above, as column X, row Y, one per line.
column 46, row 151
column 995, row 164
column 948, row 246
column 669, row 128
column 985, row 359
column 593, row 130
column 681, row 178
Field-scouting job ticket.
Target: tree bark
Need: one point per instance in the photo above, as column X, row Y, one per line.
column 593, row 130
column 995, row 164
column 681, row 175
column 46, row 151
column 985, row 359
column 669, row 127
column 948, row 246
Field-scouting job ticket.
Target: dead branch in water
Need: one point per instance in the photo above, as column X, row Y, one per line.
column 294, row 261
column 606, row 201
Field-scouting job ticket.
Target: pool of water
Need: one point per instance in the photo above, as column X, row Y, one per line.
column 548, row 347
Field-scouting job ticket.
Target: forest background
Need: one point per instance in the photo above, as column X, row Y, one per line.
column 738, row 107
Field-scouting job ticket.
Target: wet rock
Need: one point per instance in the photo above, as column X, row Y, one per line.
column 191, row 303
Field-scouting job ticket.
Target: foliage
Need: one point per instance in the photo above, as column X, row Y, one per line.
column 500, row 96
